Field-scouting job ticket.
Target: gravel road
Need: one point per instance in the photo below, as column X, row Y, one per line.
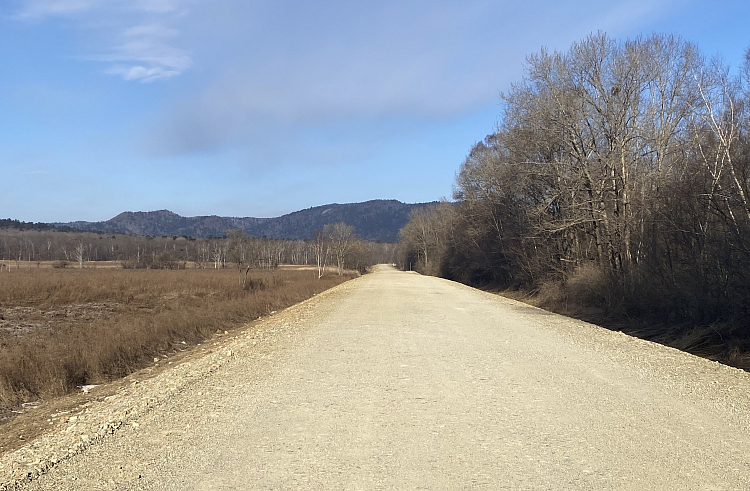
column 400, row 381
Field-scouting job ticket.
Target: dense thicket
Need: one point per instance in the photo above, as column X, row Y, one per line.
column 619, row 177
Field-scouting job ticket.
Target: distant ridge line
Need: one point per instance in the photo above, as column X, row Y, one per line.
column 377, row 220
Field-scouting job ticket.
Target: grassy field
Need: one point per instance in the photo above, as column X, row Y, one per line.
column 63, row 328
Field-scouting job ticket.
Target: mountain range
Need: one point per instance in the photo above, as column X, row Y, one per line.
column 372, row 220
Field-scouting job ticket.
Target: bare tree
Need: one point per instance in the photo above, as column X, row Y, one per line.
column 237, row 253
column 425, row 237
column 322, row 248
column 342, row 237
column 217, row 254
column 630, row 159
column 78, row 253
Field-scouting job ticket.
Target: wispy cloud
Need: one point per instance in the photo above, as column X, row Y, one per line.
column 33, row 9
column 45, row 8
column 158, row 6
column 143, row 73
column 146, row 54
column 296, row 65
column 154, row 31
column 141, row 43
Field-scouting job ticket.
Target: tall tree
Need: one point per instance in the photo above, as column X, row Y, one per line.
column 342, row 238
column 321, row 245
column 237, row 254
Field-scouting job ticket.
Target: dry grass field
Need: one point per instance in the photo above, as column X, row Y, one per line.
column 64, row 328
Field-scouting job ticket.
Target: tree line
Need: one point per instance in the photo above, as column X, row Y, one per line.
column 7, row 223
column 618, row 176
column 335, row 245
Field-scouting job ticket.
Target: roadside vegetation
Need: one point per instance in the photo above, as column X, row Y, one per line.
column 615, row 188
column 84, row 308
column 64, row 328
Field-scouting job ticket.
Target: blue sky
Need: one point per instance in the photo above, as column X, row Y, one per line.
column 260, row 108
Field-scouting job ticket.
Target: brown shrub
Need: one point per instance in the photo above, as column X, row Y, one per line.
column 586, row 291
column 550, row 293
column 589, row 286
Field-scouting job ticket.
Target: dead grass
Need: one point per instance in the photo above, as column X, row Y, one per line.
column 587, row 294
column 69, row 340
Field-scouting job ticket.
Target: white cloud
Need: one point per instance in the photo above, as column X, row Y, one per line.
column 145, row 55
column 142, row 73
column 298, row 63
column 43, row 8
column 157, row 6
column 292, row 65
column 150, row 31
column 138, row 31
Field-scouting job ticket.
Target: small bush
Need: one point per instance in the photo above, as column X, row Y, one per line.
column 550, row 293
column 255, row 284
column 586, row 291
column 589, row 285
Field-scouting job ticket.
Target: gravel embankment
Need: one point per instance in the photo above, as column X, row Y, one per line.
column 97, row 421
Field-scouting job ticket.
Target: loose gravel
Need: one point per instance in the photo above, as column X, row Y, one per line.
column 398, row 381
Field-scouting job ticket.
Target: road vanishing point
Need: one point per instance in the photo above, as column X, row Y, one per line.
column 400, row 381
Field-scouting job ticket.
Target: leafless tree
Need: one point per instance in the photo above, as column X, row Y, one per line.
column 78, row 253
column 237, row 253
column 425, row 237
column 322, row 248
column 631, row 159
column 217, row 254
column 341, row 236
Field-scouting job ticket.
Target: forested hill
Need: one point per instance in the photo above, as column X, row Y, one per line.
column 372, row 220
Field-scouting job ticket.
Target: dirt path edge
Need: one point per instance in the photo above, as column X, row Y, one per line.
column 142, row 393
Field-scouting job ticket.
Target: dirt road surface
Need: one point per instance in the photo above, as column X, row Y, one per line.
column 399, row 381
